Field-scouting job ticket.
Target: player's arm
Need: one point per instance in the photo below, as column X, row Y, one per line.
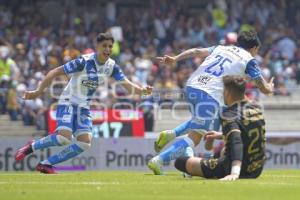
column 253, row 70
column 236, row 146
column 233, row 137
column 73, row 66
column 215, row 135
column 45, row 83
column 235, row 170
column 133, row 88
column 209, row 138
column 264, row 86
column 194, row 52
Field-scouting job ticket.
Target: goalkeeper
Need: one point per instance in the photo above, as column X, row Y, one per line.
column 243, row 129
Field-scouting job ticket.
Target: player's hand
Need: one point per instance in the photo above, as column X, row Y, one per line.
column 147, row 90
column 168, row 60
column 271, row 86
column 209, row 138
column 212, row 135
column 231, row 177
column 31, row 94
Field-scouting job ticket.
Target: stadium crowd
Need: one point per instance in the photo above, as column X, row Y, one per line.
column 36, row 36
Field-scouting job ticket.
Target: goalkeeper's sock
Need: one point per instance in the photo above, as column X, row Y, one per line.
column 67, row 153
column 49, row 141
column 176, row 150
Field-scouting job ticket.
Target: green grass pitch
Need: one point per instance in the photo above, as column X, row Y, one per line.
column 273, row 184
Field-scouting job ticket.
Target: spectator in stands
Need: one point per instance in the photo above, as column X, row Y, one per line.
column 8, row 66
column 12, row 103
column 4, row 85
column 31, row 111
column 39, row 38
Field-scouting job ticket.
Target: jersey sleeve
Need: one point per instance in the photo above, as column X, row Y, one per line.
column 232, row 135
column 75, row 65
column 117, row 73
column 236, row 145
column 252, row 69
column 228, row 126
column 229, row 121
column 211, row 49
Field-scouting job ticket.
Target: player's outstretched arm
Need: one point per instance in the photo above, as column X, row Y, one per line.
column 133, row 88
column 236, row 154
column 170, row 60
column 44, row 84
column 235, row 171
column 264, row 86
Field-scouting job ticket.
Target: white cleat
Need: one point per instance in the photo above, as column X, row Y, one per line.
column 186, row 175
column 156, row 166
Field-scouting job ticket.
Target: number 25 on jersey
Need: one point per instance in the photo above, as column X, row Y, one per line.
column 217, row 67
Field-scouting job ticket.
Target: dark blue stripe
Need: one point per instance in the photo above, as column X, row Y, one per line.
column 80, row 62
column 90, row 65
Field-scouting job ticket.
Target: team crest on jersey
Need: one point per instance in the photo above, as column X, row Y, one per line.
column 90, row 84
column 203, row 80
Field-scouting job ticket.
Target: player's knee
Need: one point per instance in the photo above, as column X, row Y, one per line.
column 83, row 145
column 62, row 140
column 180, row 164
column 196, row 137
column 87, row 138
column 65, row 133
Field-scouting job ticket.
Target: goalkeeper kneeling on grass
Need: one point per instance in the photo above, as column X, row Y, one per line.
column 243, row 128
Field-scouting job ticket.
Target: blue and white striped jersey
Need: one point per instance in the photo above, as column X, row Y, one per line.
column 86, row 75
column 222, row 61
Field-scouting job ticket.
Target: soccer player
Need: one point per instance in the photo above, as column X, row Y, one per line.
column 73, row 115
column 243, row 128
column 204, row 92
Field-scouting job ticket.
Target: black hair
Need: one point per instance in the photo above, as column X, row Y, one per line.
column 248, row 40
column 104, row 36
column 236, row 85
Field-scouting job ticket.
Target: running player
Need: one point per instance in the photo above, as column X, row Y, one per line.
column 243, row 128
column 204, row 92
column 87, row 72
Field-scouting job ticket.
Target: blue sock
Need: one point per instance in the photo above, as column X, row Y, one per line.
column 67, row 153
column 176, row 150
column 45, row 142
column 182, row 128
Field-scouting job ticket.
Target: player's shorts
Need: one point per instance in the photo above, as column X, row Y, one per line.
column 221, row 167
column 205, row 112
column 253, row 174
column 73, row 118
column 215, row 167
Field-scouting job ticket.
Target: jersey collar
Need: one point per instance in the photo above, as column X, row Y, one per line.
column 97, row 62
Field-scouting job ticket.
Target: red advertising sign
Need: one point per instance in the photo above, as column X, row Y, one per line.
column 110, row 123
